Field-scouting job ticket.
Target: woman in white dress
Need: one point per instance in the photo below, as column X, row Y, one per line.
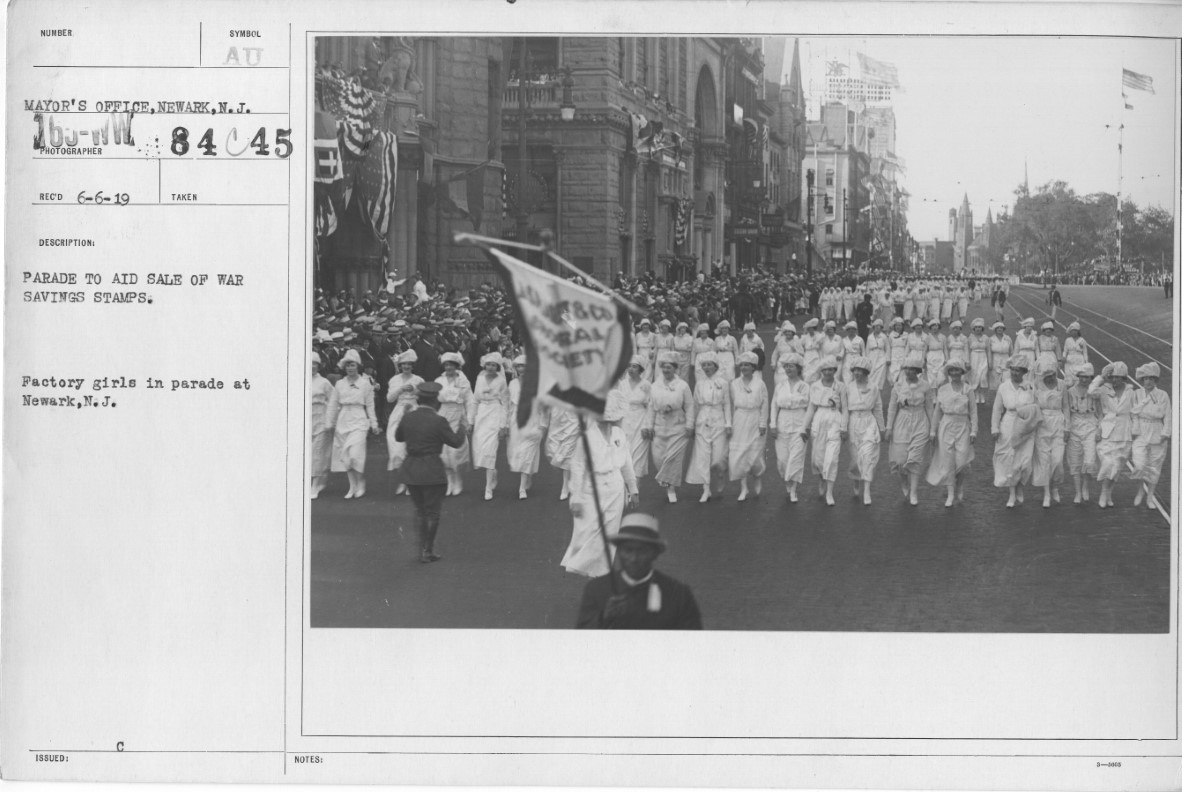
column 663, row 343
column 1083, row 429
column 878, row 350
column 683, row 346
column 751, row 342
column 321, row 391
column 786, row 344
column 645, row 342
column 979, row 362
column 910, row 295
column 1151, row 433
column 852, row 346
column 826, row 304
column 561, row 440
column 1050, row 439
column 1015, row 422
column 935, row 300
column 1001, row 349
column 453, row 405
column 1026, row 341
column 865, row 425
column 525, row 442
column 351, row 414
column 947, row 302
column 402, row 392
column 614, row 482
column 726, row 351
column 935, row 354
column 831, row 346
column 670, row 425
column 1115, row 445
column 825, row 424
column 917, row 343
column 749, row 403
column 788, row 410
column 847, row 304
column 488, row 418
column 635, row 392
column 897, row 342
column 962, row 302
column 954, row 415
column 909, row 425
column 1048, row 346
column 956, row 343
column 703, row 343
column 1075, row 353
column 712, row 428
column 810, row 350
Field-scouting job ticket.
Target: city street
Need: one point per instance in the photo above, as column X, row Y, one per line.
column 767, row 564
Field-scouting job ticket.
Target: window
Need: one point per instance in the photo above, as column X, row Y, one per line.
column 829, row 177
column 621, row 43
column 829, row 229
column 541, row 58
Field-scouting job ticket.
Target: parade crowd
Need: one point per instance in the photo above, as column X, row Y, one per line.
column 877, row 367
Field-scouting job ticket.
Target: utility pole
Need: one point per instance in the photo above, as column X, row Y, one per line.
column 845, row 219
column 522, row 148
column 808, row 226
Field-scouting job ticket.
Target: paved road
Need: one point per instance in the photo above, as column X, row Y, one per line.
column 771, row 565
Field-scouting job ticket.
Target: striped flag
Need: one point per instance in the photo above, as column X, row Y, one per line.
column 1138, row 82
column 377, row 179
column 328, row 152
column 357, row 109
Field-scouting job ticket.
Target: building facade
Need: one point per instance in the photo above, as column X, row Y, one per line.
column 960, row 231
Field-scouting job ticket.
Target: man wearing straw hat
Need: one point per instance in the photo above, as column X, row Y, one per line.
column 634, row 596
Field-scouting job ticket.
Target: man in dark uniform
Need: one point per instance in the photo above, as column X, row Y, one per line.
column 864, row 315
column 425, row 432
column 428, row 366
column 634, row 596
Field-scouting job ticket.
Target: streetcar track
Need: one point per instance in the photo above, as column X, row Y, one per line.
column 1043, row 311
column 1116, row 321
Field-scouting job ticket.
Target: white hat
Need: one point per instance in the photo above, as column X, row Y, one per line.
column 978, row 322
column 494, row 358
column 664, row 323
column 638, row 360
column 792, row 359
column 452, row 357
column 851, row 325
column 997, row 325
column 831, row 323
column 1119, row 369
column 879, row 323
column 707, row 357
column 827, row 362
column 956, row 323
column 914, row 360
column 722, row 324
column 1045, row 366
column 860, row 362
column 956, row 363
column 787, row 327
column 1148, row 370
column 748, row 357
column 1018, row 362
column 1047, row 326
column 666, row 356
column 748, row 326
column 812, row 323
column 408, row 356
column 1073, row 326
column 644, row 322
column 613, row 408
column 1028, row 322
column 520, row 361
column 1085, row 370
column 703, row 326
column 351, row 356
column 916, row 323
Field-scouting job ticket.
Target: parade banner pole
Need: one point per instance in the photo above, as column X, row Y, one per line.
column 607, row 551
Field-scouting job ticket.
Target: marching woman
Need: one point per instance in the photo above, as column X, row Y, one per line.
column 561, row 442
column 683, row 346
column 1001, row 349
column 1083, row 427
column 1026, row 341
column 847, row 304
column 1075, row 353
column 962, row 301
column 979, row 363
column 865, row 424
column 935, row 299
column 525, row 442
column 878, row 350
column 751, row 342
column 646, row 341
column 614, row 483
column 712, row 428
column 703, row 343
column 635, row 393
column 726, row 350
column 321, row 392
column 351, row 413
column 956, row 344
column 936, row 354
column 402, row 392
column 909, row 425
column 917, row 341
column 827, row 304
column 663, row 343
column 898, row 350
column 831, row 345
column 453, row 405
column 1116, row 426
column 786, row 344
column 852, row 346
column 825, row 423
column 748, row 426
column 789, row 407
column 1151, row 433
column 810, row 349
column 1050, row 440
column 669, row 425
column 1048, row 346
column 955, row 418
column 909, row 303
column 488, row 418
column 947, row 302
column 1015, row 418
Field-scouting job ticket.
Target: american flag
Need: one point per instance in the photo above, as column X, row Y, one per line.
column 326, row 215
column 682, row 220
column 878, row 71
column 376, row 180
column 357, row 109
column 1138, row 82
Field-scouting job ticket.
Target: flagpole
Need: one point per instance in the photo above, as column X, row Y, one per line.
column 607, row 548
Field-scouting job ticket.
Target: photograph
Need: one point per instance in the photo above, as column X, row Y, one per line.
column 777, row 333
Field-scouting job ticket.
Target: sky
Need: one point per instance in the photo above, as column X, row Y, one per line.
column 974, row 110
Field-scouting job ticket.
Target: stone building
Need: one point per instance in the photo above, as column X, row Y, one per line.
column 441, row 96
column 787, row 99
column 631, row 179
column 960, row 231
column 840, row 190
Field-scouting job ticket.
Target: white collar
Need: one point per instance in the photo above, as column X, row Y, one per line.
column 635, row 583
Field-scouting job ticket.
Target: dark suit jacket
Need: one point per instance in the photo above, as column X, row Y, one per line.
column 679, row 610
column 425, row 432
column 428, row 366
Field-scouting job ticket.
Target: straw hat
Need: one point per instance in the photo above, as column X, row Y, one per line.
column 637, row 527
column 748, row 357
column 1148, row 370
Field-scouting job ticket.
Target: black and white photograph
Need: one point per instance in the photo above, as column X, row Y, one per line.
column 898, row 317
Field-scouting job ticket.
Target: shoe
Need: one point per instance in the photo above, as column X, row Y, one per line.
column 1078, row 499
column 424, row 558
column 1055, row 495
column 705, row 497
column 1140, row 497
column 433, row 556
column 521, row 495
column 914, row 500
column 1021, row 497
column 360, row 493
column 671, row 495
column 349, row 494
column 742, row 497
column 1046, row 503
column 315, row 494
column 793, row 497
column 488, row 495
column 400, row 489
column 829, row 500
column 757, row 486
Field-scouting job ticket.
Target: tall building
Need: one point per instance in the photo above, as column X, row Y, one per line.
column 840, row 194
column 980, row 250
column 748, row 139
column 786, row 96
column 960, row 231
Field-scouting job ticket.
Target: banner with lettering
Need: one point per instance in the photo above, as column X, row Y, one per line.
column 578, row 342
